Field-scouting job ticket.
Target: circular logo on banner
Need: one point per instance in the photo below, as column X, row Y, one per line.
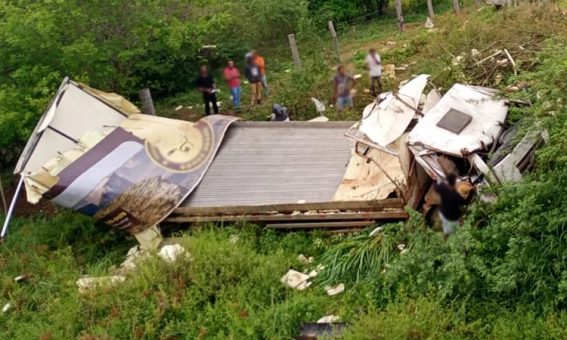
column 182, row 151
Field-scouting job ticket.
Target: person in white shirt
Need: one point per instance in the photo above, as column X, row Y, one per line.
column 374, row 66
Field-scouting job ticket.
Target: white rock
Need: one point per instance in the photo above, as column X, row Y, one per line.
column 170, row 253
column 6, row 308
column 296, row 280
column 401, row 246
column 331, row 291
column 304, row 259
column 475, row 53
column 329, row 319
column 357, row 76
column 429, row 23
column 86, row 284
column 21, row 278
column 301, row 202
column 233, row 238
column 179, row 108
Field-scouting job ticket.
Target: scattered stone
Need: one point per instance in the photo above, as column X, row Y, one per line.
column 401, row 246
column 179, row 108
column 233, row 239
column 332, row 291
column 287, row 70
column 304, row 259
column 329, row 319
column 296, row 280
column 475, row 53
column 87, row 284
column 6, row 308
column 457, row 60
column 357, row 76
column 390, row 43
column 170, row 253
column 390, row 70
column 21, row 278
column 498, row 78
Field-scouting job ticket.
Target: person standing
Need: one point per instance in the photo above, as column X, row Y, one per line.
column 259, row 60
column 451, row 202
column 206, row 85
column 374, row 66
column 252, row 73
column 232, row 77
column 342, row 86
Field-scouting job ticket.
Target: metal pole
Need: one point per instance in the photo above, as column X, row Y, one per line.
column 4, row 204
column 11, row 209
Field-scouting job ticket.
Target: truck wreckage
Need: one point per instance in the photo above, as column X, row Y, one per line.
column 95, row 153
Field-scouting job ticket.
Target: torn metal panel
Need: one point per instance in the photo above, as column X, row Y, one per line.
column 386, row 121
column 432, row 98
column 136, row 175
column 75, row 110
column 364, row 180
column 511, row 167
column 262, row 163
column 488, row 114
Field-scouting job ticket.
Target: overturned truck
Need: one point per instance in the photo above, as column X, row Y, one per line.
column 95, row 153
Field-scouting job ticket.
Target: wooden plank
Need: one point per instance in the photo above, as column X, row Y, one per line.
column 317, row 206
column 391, row 214
column 309, row 225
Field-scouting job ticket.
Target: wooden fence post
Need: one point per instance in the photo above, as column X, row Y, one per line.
column 4, row 204
column 400, row 15
column 456, row 6
column 147, row 102
column 294, row 50
column 430, row 9
column 335, row 39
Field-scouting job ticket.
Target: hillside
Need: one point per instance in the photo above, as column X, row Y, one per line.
column 502, row 275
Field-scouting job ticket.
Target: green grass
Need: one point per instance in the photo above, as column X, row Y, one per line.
column 502, row 275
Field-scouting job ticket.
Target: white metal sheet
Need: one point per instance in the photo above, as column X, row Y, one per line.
column 488, row 112
column 387, row 121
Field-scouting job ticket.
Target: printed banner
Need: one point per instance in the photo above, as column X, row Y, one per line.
column 140, row 172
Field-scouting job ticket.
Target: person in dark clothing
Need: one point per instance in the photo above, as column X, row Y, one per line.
column 254, row 76
column 206, row 85
column 279, row 113
column 451, row 202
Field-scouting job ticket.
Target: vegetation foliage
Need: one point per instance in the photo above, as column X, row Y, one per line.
column 502, row 275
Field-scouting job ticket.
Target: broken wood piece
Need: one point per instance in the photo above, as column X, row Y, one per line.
column 389, row 214
column 487, row 58
column 511, row 61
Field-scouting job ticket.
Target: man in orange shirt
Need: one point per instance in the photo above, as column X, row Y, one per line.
column 259, row 60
